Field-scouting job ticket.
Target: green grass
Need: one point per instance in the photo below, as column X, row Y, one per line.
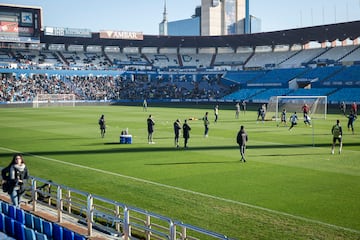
column 290, row 188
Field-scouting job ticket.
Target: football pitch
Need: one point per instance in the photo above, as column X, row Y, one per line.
column 291, row 187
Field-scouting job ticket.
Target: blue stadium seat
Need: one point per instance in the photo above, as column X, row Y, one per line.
column 19, row 231
column 9, row 226
column 48, row 229
column 57, row 232
column 29, row 234
column 4, row 208
column 68, row 234
column 20, row 215
column 29, row 220
column 12, row 211
column 40, row 236
column 2, row 222
column 79, row 237
column 38, row 225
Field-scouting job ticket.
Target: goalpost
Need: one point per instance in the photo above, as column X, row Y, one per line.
column 317, row 105
column 54, row 100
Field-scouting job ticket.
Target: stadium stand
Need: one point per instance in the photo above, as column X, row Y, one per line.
column 17, row 223
column 268, row 59
column 301, row 58
column 267, row 94
column 346, row 94
column 165, row 68
column 231, row 59
column 334, row 54
column 165, row 85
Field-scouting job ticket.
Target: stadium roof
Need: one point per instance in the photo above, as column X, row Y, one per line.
column 323, row 33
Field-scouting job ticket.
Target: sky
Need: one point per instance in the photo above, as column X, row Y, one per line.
column 145, row 15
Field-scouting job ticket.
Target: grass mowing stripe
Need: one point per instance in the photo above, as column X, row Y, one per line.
column 292, row 178
column 189, row 191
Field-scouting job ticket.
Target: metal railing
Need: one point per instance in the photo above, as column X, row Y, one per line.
column 112, row 218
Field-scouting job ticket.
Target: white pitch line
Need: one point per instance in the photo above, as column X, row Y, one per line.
column 189, row 191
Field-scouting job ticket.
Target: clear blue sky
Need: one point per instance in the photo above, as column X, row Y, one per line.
column 145, row 15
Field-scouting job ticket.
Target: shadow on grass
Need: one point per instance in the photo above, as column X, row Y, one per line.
column 188, row 163
column 129, row 148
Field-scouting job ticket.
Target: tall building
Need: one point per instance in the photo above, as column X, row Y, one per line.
column 224, row 17
column 214, row 17
column 185, row 27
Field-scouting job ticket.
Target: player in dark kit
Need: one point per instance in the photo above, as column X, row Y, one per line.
column 241, row 139
column 102, row 126
column 186, row 133
column 150, row 128
column 206, row 124
column 283, row 117
column 352, row 117
column 177, row 127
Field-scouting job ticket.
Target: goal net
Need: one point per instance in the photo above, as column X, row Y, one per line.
column 317, row 106
column 54, row 100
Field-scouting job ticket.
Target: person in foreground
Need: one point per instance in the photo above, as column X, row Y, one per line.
column 337, row 136
column 241, row 139
column 18, row 173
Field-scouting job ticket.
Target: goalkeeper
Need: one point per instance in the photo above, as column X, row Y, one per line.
column 337, row 136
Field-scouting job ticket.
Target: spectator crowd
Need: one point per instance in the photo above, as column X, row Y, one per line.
column 107, row 87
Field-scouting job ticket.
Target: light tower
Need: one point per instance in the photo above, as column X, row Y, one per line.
column 163, row 26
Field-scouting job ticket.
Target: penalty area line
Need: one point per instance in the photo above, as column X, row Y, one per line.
column 188, row 191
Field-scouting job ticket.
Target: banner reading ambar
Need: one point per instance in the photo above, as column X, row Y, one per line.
column 122, row 35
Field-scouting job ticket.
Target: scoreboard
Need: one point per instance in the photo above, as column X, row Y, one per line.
column 20, row 23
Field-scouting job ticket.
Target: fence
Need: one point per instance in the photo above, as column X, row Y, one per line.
column 113, row 218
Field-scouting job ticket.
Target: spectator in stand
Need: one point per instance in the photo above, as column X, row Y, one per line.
column 17, row 176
